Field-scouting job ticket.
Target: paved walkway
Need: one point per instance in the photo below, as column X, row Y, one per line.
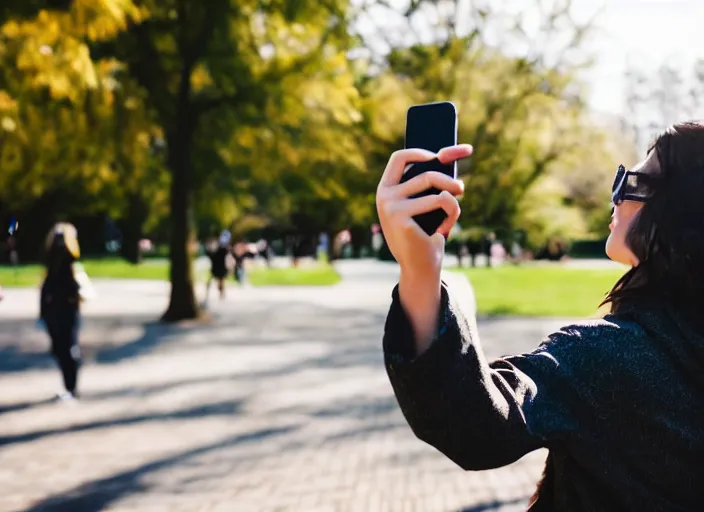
column 280, row 403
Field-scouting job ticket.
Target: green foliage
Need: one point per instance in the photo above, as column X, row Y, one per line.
column 252, row 114
column 73, row 128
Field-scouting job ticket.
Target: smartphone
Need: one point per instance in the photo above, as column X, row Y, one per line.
column 431, row 126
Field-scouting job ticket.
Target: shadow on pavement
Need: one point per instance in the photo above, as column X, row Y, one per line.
column 248, row 328
column 99, row 494
column 24, row 347
column 21, row 406
column 344, row 340
column 223, row 408
column 515, row 505
column 14, row 359
column 154, row 335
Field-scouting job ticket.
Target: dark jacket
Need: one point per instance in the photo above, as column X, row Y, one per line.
column 218, row 262
column 60, row 301
column 619, row 403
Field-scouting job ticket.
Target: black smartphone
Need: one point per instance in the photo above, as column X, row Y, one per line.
column 431, row 126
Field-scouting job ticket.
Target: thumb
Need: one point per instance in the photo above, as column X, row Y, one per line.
column 438, row 241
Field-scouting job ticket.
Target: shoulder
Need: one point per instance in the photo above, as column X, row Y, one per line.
column 582, row 347
column 595, row 334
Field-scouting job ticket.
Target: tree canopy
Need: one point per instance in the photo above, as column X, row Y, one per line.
column 179, row 117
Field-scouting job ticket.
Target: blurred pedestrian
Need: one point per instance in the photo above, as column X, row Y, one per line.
column 218, row 255
column 241, row 251
column 487, row 247
column 65, row 285
column 265, row 251
column 14, row 256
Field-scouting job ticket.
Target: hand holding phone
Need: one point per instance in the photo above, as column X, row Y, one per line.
column 418, row 253
column 431, row 126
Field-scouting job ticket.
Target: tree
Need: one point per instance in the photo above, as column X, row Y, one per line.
column 668, row 95
column 695, row 101
column 635, row 98
column 213, row 64
column 572, row 200
column 658, row 98
column 73, row 138
column 307, row 160
column 521, row 110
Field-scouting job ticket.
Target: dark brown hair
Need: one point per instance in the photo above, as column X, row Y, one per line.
column 667, row 234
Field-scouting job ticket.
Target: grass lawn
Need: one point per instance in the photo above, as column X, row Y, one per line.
column 540, row 290
column 323, row 275
column 31, row 275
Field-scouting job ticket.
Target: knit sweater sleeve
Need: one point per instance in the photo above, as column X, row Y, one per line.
column 480, row 414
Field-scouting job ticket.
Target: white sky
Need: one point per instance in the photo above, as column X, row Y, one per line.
column 645, row 31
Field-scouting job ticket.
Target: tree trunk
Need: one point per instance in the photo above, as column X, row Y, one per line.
column 132, row 229
column 182, row 303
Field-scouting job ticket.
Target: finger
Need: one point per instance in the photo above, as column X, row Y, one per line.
column 398, row 162
column 438, row 241
column 452, row 216
column 427, row 180
column 453, row 153
column 412, row 207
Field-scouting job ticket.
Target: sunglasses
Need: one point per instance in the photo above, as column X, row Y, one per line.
column 631, row 186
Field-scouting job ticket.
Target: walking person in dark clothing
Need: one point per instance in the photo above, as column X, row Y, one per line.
column 61, row 295
column 219, row 264
column 487, row 246
column 616, row 401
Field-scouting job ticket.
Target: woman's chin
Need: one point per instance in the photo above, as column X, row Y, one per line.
column 608, row 247
column 616, row 253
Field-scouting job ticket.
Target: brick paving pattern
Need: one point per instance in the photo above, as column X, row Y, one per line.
column 280, row 403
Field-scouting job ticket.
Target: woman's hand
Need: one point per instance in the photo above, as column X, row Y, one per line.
column 419, row 255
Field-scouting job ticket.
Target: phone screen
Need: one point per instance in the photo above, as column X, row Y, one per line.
column 432, row 126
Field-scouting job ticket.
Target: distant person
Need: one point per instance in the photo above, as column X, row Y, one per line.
column 14, row 256
column 616, row 401
column 265, row 251
column 241, row 251
column 488, row 246
column 498, row 252
column 324, row 245
column 474, row 248
column 377, row 239
column 62, row 291
column 12, row 252
column 218, row 254
column 340, row 243
column 516, row 252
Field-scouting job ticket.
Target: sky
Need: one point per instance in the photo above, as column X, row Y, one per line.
column 645, row 31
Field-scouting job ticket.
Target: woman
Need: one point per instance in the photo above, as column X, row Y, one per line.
column 61, row 295
column 617, row 401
